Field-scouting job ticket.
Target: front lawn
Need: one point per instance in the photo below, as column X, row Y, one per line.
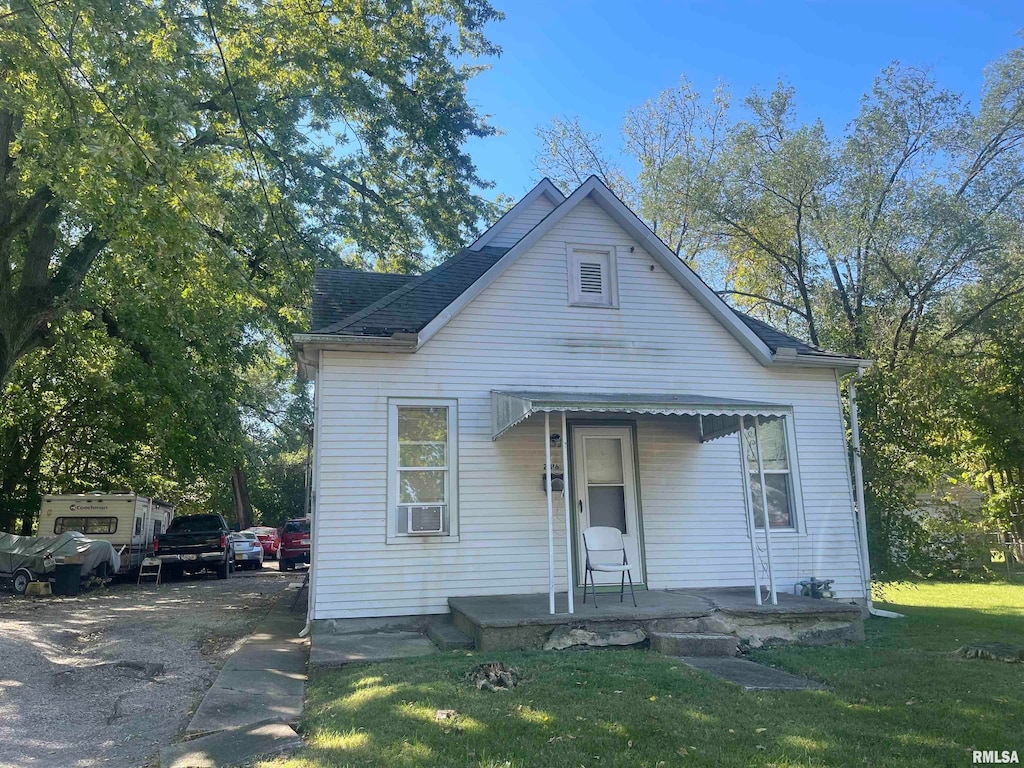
column 897, row 700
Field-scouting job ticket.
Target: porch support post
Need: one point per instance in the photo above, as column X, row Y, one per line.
column 568, row 513
column 551, row 514
column 748, row 503
column 764, row 511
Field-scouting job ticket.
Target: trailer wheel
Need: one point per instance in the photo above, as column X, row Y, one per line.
column 22, row 579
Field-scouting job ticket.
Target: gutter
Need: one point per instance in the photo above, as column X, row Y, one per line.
column 789, row 357
column 396, row 341
column 858, row 474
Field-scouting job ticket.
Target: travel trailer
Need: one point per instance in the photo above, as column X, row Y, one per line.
column 128, row 521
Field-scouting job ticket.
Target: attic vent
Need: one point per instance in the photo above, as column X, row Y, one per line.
column 592, row 276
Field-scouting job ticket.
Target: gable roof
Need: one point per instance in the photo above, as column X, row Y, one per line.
column 417, row 307
column 544, row 188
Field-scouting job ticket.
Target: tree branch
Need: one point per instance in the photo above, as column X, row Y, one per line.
column 780, row 304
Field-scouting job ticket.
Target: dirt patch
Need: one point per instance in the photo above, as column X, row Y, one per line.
column 108, row 678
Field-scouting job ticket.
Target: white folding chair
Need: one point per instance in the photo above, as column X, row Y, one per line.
column 606, row 553
column 149, row 567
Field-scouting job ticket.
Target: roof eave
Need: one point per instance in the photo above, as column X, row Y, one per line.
column 397, row 342
column 820, row 361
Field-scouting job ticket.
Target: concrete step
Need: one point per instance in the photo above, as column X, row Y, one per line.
column 446, row 636
column 693, row 644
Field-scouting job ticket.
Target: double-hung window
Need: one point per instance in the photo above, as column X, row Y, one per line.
column 778, row 474
column 423, row 455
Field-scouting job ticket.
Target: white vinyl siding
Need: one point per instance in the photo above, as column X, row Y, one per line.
column 521, row 334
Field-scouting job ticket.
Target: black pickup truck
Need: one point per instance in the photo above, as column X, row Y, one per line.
column 195, row 543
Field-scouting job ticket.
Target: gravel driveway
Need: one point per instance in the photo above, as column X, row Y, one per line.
column 65, row 701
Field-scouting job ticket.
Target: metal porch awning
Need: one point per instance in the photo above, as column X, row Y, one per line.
column 718, row 413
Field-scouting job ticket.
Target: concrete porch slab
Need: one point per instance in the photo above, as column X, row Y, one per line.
column 334, row 650
column 751, row 676
column 502, row 622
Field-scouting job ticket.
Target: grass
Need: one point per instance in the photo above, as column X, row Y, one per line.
column 899, row 699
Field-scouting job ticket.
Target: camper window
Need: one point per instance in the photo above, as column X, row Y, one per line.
column 138, row 526
column 85, row 525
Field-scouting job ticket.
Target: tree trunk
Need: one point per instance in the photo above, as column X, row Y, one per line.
column 243, row 507
column 33, row 498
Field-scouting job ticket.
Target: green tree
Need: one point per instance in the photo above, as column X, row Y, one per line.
column 272, row 135
column 898, row 240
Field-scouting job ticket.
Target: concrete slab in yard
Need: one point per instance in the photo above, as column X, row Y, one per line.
column 333, row 650
column 233, row 747
column 229, row 709
column 751, row 676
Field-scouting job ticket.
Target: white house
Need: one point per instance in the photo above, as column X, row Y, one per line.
column 568, row 329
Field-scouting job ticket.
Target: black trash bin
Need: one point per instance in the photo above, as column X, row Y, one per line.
column 69, row 579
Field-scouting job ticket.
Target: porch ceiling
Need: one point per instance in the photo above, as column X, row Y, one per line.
column 511, row 408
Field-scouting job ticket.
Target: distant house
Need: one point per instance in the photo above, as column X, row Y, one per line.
column 570, row 328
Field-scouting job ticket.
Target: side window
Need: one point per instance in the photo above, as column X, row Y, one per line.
column 86, row 525
column 138, row 526
column 770, row 436
column 423, row 485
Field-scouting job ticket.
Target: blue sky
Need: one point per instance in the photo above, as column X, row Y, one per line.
column 597, row 59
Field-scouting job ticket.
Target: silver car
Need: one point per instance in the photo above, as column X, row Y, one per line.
column 247, row 549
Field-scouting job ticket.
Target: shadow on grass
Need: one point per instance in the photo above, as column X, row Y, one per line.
column 899, row 699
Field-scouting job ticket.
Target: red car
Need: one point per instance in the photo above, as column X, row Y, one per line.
column 269, row 538
column 295, row 543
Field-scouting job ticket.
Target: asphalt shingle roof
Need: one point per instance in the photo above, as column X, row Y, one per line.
column 352, row 303
column 774, row 338
column 339, row 293
column 408, row 306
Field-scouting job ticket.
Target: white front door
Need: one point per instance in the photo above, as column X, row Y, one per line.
column 604, row 484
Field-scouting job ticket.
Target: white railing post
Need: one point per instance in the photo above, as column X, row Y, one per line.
column 551, row 513
column 749, row 504
column 764, row 511
column 568, row 513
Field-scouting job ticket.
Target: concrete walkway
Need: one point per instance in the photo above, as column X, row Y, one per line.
column 751, row 676
column 255, row 699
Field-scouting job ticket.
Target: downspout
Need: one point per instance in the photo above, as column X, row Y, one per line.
column 858, row 481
